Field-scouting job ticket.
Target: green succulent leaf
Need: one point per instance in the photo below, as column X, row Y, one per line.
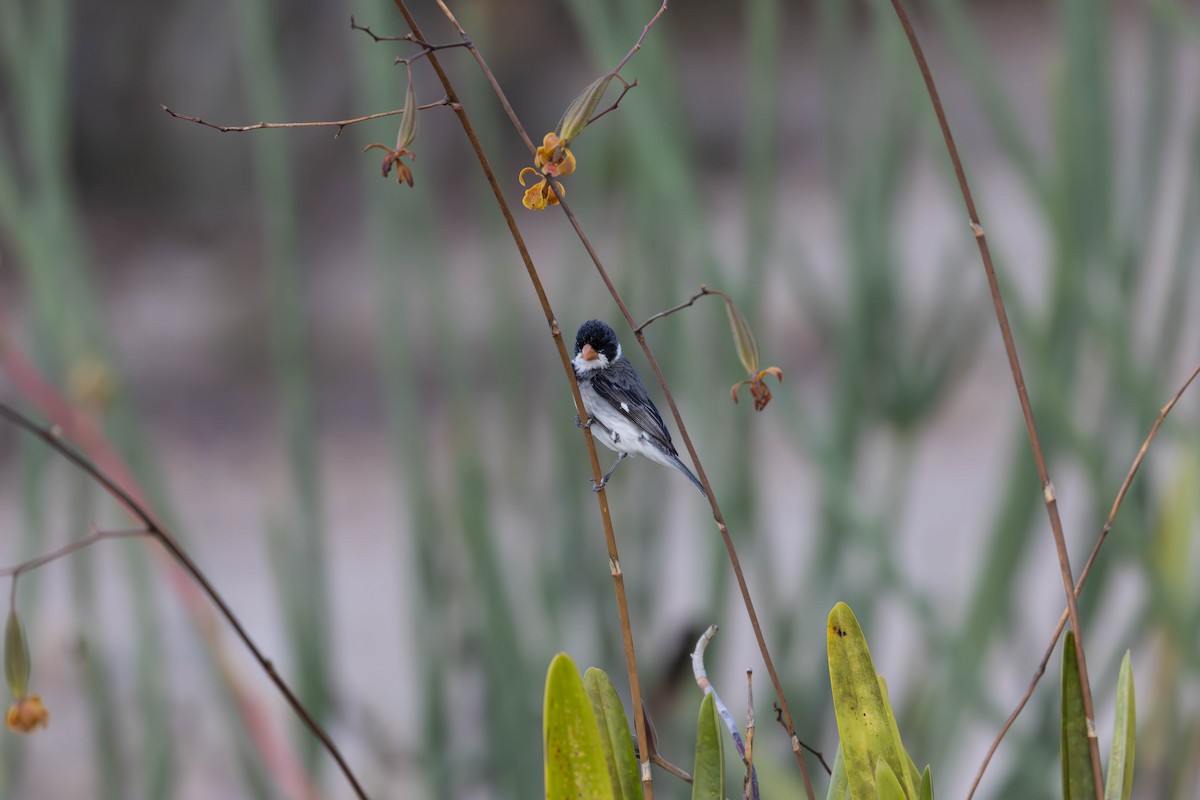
column 623, row 768
column 708, row 777
column 864, row 716
column 926, row 790
column 574, row 753
column 1119, row 783
column 839, row 786
column 887, row 785
column 1078, row 781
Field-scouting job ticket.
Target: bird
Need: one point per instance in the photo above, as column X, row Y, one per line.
column 622, row 415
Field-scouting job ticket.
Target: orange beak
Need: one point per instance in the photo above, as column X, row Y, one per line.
column 589, row 353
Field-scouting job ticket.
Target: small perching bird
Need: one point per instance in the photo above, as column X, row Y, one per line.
column 623, row 417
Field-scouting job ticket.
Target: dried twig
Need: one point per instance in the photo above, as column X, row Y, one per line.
column 17, row 570
column 617, row 102
column 1087, row 568
column 340, row 124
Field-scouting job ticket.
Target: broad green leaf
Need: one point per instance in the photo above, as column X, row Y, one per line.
column 839, row 787
column 708, row 778
column 574, row 754
column 1119, row 783
column 1078, row 782
column 926, row 790
column 615, row 738
column 887, row 785
column 861, row 707
column 16, row 656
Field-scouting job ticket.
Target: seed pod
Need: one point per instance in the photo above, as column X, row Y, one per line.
column 16, row 656
column 743, row 339
column 581, row 109
column 408, row 126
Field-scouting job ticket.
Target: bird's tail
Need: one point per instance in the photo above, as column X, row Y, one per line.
column 679, row 465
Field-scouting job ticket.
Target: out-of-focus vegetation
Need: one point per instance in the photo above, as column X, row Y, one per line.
column 783, row 154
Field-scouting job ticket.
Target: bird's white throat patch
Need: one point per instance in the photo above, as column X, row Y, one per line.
column 601, row 361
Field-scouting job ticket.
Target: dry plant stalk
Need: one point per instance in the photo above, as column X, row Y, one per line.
column 565, row 357
column 1014, row 363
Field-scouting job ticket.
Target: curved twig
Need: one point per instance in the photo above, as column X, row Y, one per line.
column 52, row 436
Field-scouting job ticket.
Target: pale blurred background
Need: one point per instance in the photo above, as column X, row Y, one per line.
column 341, row 394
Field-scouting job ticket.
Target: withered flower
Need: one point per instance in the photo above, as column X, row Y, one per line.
column 758, row 389
column 404, row 137
column 27, row 714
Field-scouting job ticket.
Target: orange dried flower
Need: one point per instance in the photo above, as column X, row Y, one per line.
column 27, row 714
column 758, row 389
column 552, row 160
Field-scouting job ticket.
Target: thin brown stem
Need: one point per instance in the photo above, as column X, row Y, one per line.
column 52, row 436
column 617, row 102
column 659, row 761
column 17, row 570
column 426, row 49
column 638, row 44
column 718, row 517
column 1087, row 568
column 569, row 371
column 704, row 290
column 340, row 124
column 1010, row 348
column 354, row 26
column 749, row 759
column 84, row 429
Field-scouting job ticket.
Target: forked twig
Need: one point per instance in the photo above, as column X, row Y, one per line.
column 617, row 102
column 1010, row 349
column 17, row 570
column 1087, row 568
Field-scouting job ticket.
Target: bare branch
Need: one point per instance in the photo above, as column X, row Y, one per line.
column 340, row 124
column 704, row 290
column 354, row 26
column 617, row 102
column 638, row 44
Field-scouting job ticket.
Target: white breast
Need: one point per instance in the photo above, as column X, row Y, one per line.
column 613, row 429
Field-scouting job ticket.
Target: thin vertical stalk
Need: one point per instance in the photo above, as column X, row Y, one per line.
column 1010, row 349
column 718, row 518
column 556, row 334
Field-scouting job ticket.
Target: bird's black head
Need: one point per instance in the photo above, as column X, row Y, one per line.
column 596, row 339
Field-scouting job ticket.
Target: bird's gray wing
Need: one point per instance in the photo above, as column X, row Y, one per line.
column 620, row 387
